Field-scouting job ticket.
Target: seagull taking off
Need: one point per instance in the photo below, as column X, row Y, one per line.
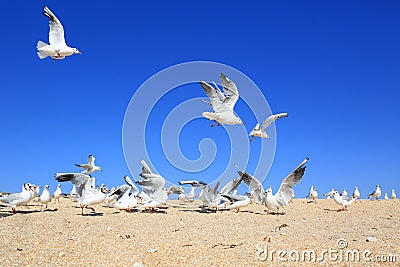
column 87, row 195
column 260, row 131
column 89, row 167
column 222, row 103
column 126, row 195
column 153, row 185
column 377, row 193
column 57, row 49
column 284, row 194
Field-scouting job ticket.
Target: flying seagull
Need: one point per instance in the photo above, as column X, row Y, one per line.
column 57, row 49
column 222, row 103
column 260, row 131
column 89, row 167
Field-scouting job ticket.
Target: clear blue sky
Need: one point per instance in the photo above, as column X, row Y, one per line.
column 332, row 65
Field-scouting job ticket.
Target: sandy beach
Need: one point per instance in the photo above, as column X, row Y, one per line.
column 175, row 236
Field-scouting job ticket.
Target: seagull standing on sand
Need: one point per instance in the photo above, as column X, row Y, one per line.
column 45, row 197
column 89, row 167
column 222, row 103
column 386, row 196
column 376, row 193
column 329, row 194
column 237, row 201
column 57, row 49
column 57, row 193
column 153, row 185
column 393, row 196
column 344, row 201
column 87, row 195
column 344, row 193
column 18, row 199
column 284, row 194
column 260, row 131
column 356, row 193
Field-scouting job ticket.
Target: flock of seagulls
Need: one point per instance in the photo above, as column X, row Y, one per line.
column 153, row 192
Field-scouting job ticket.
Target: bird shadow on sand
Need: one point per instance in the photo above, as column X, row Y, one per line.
column 92, row 214
column 5, row 213
column 158, row 211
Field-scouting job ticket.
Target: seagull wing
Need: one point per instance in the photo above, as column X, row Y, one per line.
column 134, row 189
column 255, row 185
column 145, row 168
column 56, row 34
column 80, row 180
column 286, row 189
column 120, row 191
column 214, row 95
column 273, row 118
column 151, row 183
column 230, row 186
column 90, row 160
column 230, row 90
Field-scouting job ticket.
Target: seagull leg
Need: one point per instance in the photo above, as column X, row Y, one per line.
column 82, row 211
column 218, row 124
column 212, row 125
column 14, row 210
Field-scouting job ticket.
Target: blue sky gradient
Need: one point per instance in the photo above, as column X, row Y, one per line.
column 332, row 65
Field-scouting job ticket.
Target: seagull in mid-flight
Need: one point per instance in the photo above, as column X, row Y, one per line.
column 57, row 49
column 89, row 167
column 260, row 131
column 222, row 103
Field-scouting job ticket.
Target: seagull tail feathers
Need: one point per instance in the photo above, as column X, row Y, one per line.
column 40, row 53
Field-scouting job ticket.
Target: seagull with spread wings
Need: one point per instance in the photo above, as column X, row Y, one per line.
column 87, row 194
column 126, row 195
column 222, row 103
column 260, row 131
column 89, row 167
column 57, row 49
column 284, row 194
column 153, row 185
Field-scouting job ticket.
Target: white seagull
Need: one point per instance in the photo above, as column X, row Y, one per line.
column 260, row 131
column 57, row 193
column 87, row 195
column 356, row 193
column 89, row 167
column 222, row 103
column 126, row 195
column 57, row 49
column 153, row 185
column 18, row 199
column 393, row 196
column 344, row 193
column 329, row 194
column 344, row 201
column 376, row 193
column 45, row 197
column 285, row 192
column 237, row 201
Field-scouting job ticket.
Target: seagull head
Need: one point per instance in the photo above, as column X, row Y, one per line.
column 76, row 51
